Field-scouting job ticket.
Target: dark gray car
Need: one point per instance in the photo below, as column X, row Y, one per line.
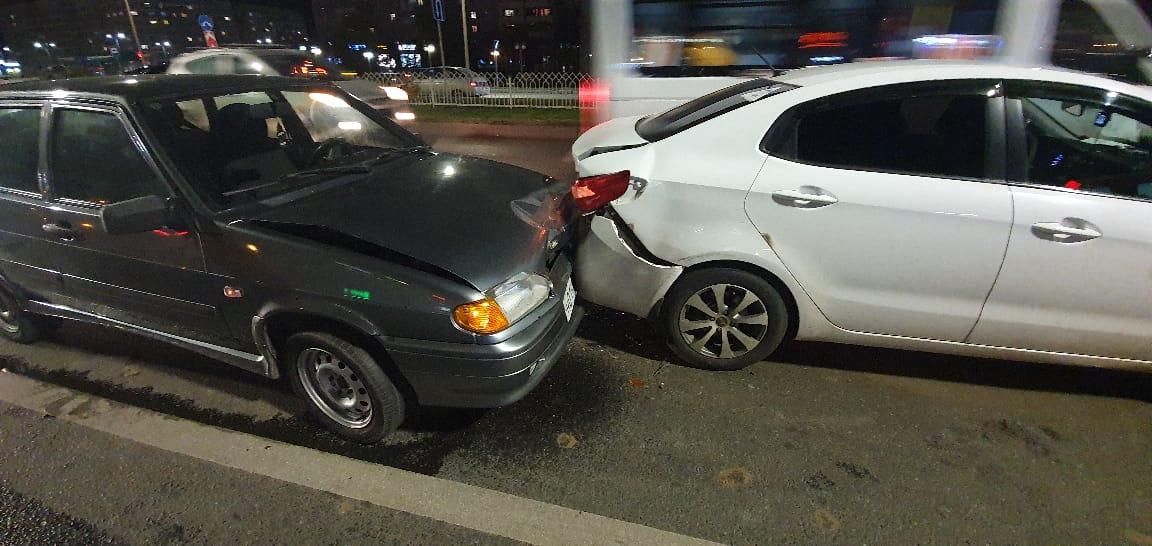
column 283, row 227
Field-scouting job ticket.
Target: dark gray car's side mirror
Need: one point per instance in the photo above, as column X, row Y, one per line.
column 135, row 215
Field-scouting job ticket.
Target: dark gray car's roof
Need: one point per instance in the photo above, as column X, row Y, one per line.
column 133, row 88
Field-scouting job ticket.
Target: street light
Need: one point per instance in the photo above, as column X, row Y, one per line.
column 430, row 49
column 47, row 49
column 496, row 58
column 368, row 56
column 520, row 49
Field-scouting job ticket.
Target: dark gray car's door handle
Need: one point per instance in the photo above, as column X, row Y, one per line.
column 61, row 231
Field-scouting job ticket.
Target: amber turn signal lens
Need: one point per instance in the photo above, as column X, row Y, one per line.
column 481, row 317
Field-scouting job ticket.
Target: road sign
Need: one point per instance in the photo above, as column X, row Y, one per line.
column 438, row 10
column 206, row 23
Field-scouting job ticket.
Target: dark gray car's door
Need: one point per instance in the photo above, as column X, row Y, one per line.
column 154, row 279
column 28, row 261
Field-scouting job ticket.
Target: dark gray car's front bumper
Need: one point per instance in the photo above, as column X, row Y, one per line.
column 485, row 376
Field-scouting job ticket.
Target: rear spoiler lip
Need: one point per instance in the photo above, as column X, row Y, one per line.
column 609, row 149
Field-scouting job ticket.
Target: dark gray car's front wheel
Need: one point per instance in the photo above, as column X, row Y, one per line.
column 344, row 386
column 724, row 319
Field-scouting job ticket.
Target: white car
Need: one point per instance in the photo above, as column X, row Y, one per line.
column 278, row 61
column 969, row 208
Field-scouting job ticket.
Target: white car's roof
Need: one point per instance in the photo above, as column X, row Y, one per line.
column 869, row 74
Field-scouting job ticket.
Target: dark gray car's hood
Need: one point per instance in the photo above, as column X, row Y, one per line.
column 479, row 220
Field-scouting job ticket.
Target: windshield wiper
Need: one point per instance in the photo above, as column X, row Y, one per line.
column 343, row 169
column 393, row 153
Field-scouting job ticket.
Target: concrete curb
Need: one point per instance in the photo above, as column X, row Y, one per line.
column 496, row 130
column 471, row 507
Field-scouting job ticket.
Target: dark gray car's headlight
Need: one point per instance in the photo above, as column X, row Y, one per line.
column 505, row 304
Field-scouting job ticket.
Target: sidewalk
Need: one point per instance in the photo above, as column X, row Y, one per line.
column 63, row 483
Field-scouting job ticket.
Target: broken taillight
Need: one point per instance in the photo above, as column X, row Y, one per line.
column 593, row 192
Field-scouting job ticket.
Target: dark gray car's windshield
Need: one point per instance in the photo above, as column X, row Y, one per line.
column 240, row 147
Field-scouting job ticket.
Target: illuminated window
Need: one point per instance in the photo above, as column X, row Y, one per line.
column 472, row 15
column 509, row 13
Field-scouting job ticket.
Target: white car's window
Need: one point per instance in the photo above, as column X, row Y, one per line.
column 18, row 155
column 714, row 104
column 204, row 65
column 933, row 135
column 241, row 65
column 1102, row 145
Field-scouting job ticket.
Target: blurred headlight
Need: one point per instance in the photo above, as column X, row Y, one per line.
column 395, row 93
column 505, row 304
column 405, row 116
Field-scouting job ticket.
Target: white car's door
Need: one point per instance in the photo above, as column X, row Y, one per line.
column 1078, row 274
column 886, row 205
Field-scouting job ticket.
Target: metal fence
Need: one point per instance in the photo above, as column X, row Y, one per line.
column 524, row 90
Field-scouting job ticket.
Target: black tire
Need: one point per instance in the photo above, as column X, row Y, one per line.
column 724, row 327
column 351, row 374
column 15, row 324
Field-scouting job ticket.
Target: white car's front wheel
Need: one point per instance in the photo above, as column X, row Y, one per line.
column 724, row 319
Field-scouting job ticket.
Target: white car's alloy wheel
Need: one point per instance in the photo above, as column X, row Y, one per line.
column 723, row 321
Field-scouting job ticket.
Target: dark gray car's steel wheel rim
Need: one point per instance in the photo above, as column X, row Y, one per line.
column 334, row 387
column 8, row 321
column 723, row 321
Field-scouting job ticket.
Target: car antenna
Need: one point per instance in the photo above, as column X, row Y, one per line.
column 775, row 72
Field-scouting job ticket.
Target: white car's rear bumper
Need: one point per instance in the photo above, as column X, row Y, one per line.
column 610, row 273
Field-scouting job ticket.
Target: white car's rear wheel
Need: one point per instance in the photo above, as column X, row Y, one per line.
column 724, row 319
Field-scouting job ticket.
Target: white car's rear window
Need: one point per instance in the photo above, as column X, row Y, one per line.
column 695, row 112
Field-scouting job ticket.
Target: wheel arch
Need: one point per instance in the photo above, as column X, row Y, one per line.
column 272, row 330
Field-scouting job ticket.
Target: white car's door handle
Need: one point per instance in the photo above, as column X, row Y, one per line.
column 805, row 198
column 1071, row 230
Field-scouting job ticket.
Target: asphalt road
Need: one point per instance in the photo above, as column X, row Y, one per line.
column 822, row 445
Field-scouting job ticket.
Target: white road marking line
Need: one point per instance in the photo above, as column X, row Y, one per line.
column 467, row 506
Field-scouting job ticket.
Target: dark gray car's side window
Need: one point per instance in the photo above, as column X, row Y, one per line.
column 95, row 160
column 19, row 152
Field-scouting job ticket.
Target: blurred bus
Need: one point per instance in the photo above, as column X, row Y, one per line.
column 650, row 55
